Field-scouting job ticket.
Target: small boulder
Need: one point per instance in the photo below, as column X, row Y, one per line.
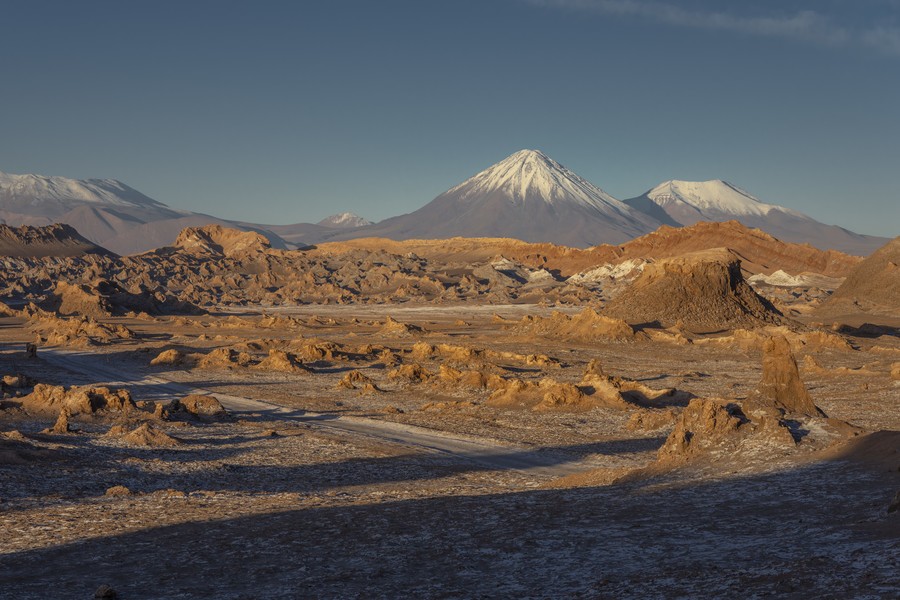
column 62, row 424
column 354, row 379
column 118, row 490
column 201, row 406
column 171, row 356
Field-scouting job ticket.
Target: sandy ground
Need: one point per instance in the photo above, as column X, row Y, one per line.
column 425, row 490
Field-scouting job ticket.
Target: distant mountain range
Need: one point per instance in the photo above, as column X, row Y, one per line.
column 527, row 196
column 688, row 202
column 125, row 221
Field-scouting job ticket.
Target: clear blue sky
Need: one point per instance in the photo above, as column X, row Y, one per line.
column 283, row 112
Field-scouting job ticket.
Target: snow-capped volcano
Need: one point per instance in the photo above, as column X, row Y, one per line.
column 56, row 195
column 687, row 202
column 344, row 220
column 105, row 211
column 528, row 196
column 531, row 175
column 694, row 201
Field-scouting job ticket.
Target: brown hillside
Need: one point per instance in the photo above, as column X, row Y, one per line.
column 759, row 252
column 56, row 240
column 873, row 286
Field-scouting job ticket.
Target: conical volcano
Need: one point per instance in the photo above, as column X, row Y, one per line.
column 527, row 196
column 687, row 202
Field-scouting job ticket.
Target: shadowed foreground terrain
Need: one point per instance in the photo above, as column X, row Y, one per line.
column 813, row 531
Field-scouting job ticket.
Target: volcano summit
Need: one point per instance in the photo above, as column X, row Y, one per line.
column 528, row 196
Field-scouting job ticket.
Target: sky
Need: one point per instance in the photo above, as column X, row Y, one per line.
column 284, row 112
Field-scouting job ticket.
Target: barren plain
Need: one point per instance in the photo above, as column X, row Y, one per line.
column 516, row 425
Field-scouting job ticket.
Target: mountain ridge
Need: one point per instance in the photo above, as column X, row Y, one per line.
column 688, row 202
column 528, row 196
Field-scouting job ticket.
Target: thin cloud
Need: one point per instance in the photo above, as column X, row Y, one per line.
column 807, row 25
column 883, row 39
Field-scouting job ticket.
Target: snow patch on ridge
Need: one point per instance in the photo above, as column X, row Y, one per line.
column 628, row 269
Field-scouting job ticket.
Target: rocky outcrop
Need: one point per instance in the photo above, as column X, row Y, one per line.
column 199, row 406
column 75, row 331
column 781, row 386
column 52, row 399
column 216, row 240
column 145, row 434
column 585, row 326
column 170, row 357
column 702, row 291
column 82, row 300
column 279, row 360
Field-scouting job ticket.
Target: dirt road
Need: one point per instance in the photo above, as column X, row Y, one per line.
column 488, row 453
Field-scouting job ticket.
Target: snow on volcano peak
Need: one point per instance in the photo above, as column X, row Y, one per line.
column 682, row 203
column 526, row 196
column 344, row 219
column 40, row 189
column 530, row 175
column 714, row 196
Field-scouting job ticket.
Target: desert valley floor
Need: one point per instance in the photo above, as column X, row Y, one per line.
column 653, row 428
column 378, row 468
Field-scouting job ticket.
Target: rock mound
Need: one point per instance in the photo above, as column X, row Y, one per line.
column 75, row 299
column 279, row 360
column 52, row 399
column 225, row 358
column 781, row 386
column 75, row 331
column 397, row 329
column 478, row 379
column 704, row 291
column 585, row 326
column 758, row 426
column 355, row 379
column 216, row 240
column 170, row 357
column 469, row 356
column 544, row 395
column 595, row 390
column 704, row 424
column 143, row 435
column 799, row 339
column 62, row 425
column 412, row 372
column 715, row 428
column 207, row 408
